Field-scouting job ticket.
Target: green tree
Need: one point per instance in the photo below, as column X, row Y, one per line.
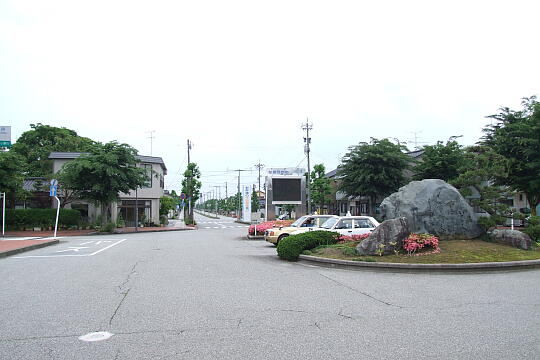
column 476, row 177
column 254, row 201
column 11, row 175
column 166, row 204
column 373, row 169
column 191, row 187
column 515, row 135
column 35, row 146
column 440, row 162
column 320, row 186
column 104, row 173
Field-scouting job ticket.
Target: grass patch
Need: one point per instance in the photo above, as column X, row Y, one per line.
column 452, row 252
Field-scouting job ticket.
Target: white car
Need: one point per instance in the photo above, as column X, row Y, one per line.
column 346, row 225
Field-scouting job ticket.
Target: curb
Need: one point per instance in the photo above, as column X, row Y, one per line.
column 147, row 231
column 28, row 248
column 362, row 264
column 251, row 237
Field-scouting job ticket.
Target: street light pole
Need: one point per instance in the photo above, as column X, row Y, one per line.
column 307, row 140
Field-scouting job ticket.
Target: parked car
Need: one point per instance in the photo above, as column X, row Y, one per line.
column 346, row 225
column 274, row 235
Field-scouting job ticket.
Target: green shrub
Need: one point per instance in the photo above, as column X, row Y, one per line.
column 533, row 228
column 487, row 222
column 44, row 218
column 108, row 228
column 292, row 246
column 163, row 219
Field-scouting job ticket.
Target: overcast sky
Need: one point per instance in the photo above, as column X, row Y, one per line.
column 238, row 78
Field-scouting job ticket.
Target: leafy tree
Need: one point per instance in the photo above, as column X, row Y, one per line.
column 166, row 204
column 515, row 135
column 35, row 146
column 320, row 186
column 440, row 162
column 289, row 208
column 254, row 201
column 104, row 173
column 373, row 170
column 479, row 168
column 11, row 175
column 191, row 187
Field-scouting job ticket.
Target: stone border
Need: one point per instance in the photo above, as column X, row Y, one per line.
column 258, row 237
column 363, row 264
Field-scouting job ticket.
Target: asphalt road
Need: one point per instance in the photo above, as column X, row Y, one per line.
column 212, row 294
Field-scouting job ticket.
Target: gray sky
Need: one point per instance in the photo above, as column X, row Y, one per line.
column 238, row 78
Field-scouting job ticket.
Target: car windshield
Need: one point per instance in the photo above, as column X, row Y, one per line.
column 298, row 222
column 329, row 223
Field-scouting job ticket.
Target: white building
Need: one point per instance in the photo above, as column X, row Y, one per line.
column 147, row 198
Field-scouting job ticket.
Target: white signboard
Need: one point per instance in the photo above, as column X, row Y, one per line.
column 286, row 171
column 246, row 204
column 5, row 133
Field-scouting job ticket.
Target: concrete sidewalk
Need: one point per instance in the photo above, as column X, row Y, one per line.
column 11, row 247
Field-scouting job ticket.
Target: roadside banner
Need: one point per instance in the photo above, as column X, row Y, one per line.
column 246, row 204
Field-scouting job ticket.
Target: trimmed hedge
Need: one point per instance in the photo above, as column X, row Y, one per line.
column 292, row 246
column 44, row 218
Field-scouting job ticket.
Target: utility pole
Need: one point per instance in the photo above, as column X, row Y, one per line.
column 226, row 191
column 151, row 137
column 239, row 193
column 307, row 141
column 218, row 189
column 189, row 145
column 259, row 166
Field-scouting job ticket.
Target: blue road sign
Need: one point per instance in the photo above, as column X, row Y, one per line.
column 182, row 196
column 53, row 190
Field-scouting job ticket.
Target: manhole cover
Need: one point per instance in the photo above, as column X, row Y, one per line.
column 96, row 336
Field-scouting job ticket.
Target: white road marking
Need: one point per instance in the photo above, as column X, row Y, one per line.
column 96, row 336
column 70, row 255
column 73, row 248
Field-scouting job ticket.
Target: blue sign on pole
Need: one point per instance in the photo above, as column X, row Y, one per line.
column 53, row 191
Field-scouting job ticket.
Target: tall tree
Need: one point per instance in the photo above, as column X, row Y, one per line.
column 479, row 168
column 103, row 174
column 254, row 201
column 515, row 135
column 191, row 187
column 35, row 146
column 373, row 169
column 320, row 186
column 11, row 175
column 440, row 161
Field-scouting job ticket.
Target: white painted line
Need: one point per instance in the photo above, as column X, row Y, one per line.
column 96, row 336
column 108, row 247
column 83, row 255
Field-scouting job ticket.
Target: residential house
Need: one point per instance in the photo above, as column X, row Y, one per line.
column 145, row 199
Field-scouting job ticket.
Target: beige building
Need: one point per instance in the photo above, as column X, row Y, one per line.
column 145, row 199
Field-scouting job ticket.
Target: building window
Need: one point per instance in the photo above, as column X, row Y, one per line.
column 148, row 169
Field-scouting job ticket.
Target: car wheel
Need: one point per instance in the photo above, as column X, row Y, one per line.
column 282, row 236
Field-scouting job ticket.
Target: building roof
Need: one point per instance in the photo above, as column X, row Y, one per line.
column 331, row 174
column 141, row 158
column 36, row 184
column 415, row 153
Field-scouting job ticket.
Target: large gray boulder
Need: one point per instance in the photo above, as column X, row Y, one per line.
column 387, row 237
column 513, row 238
column 433, row 206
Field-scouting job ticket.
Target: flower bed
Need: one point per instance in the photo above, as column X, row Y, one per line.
column 262, row 227
column 417, row 242
column 343, row 239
